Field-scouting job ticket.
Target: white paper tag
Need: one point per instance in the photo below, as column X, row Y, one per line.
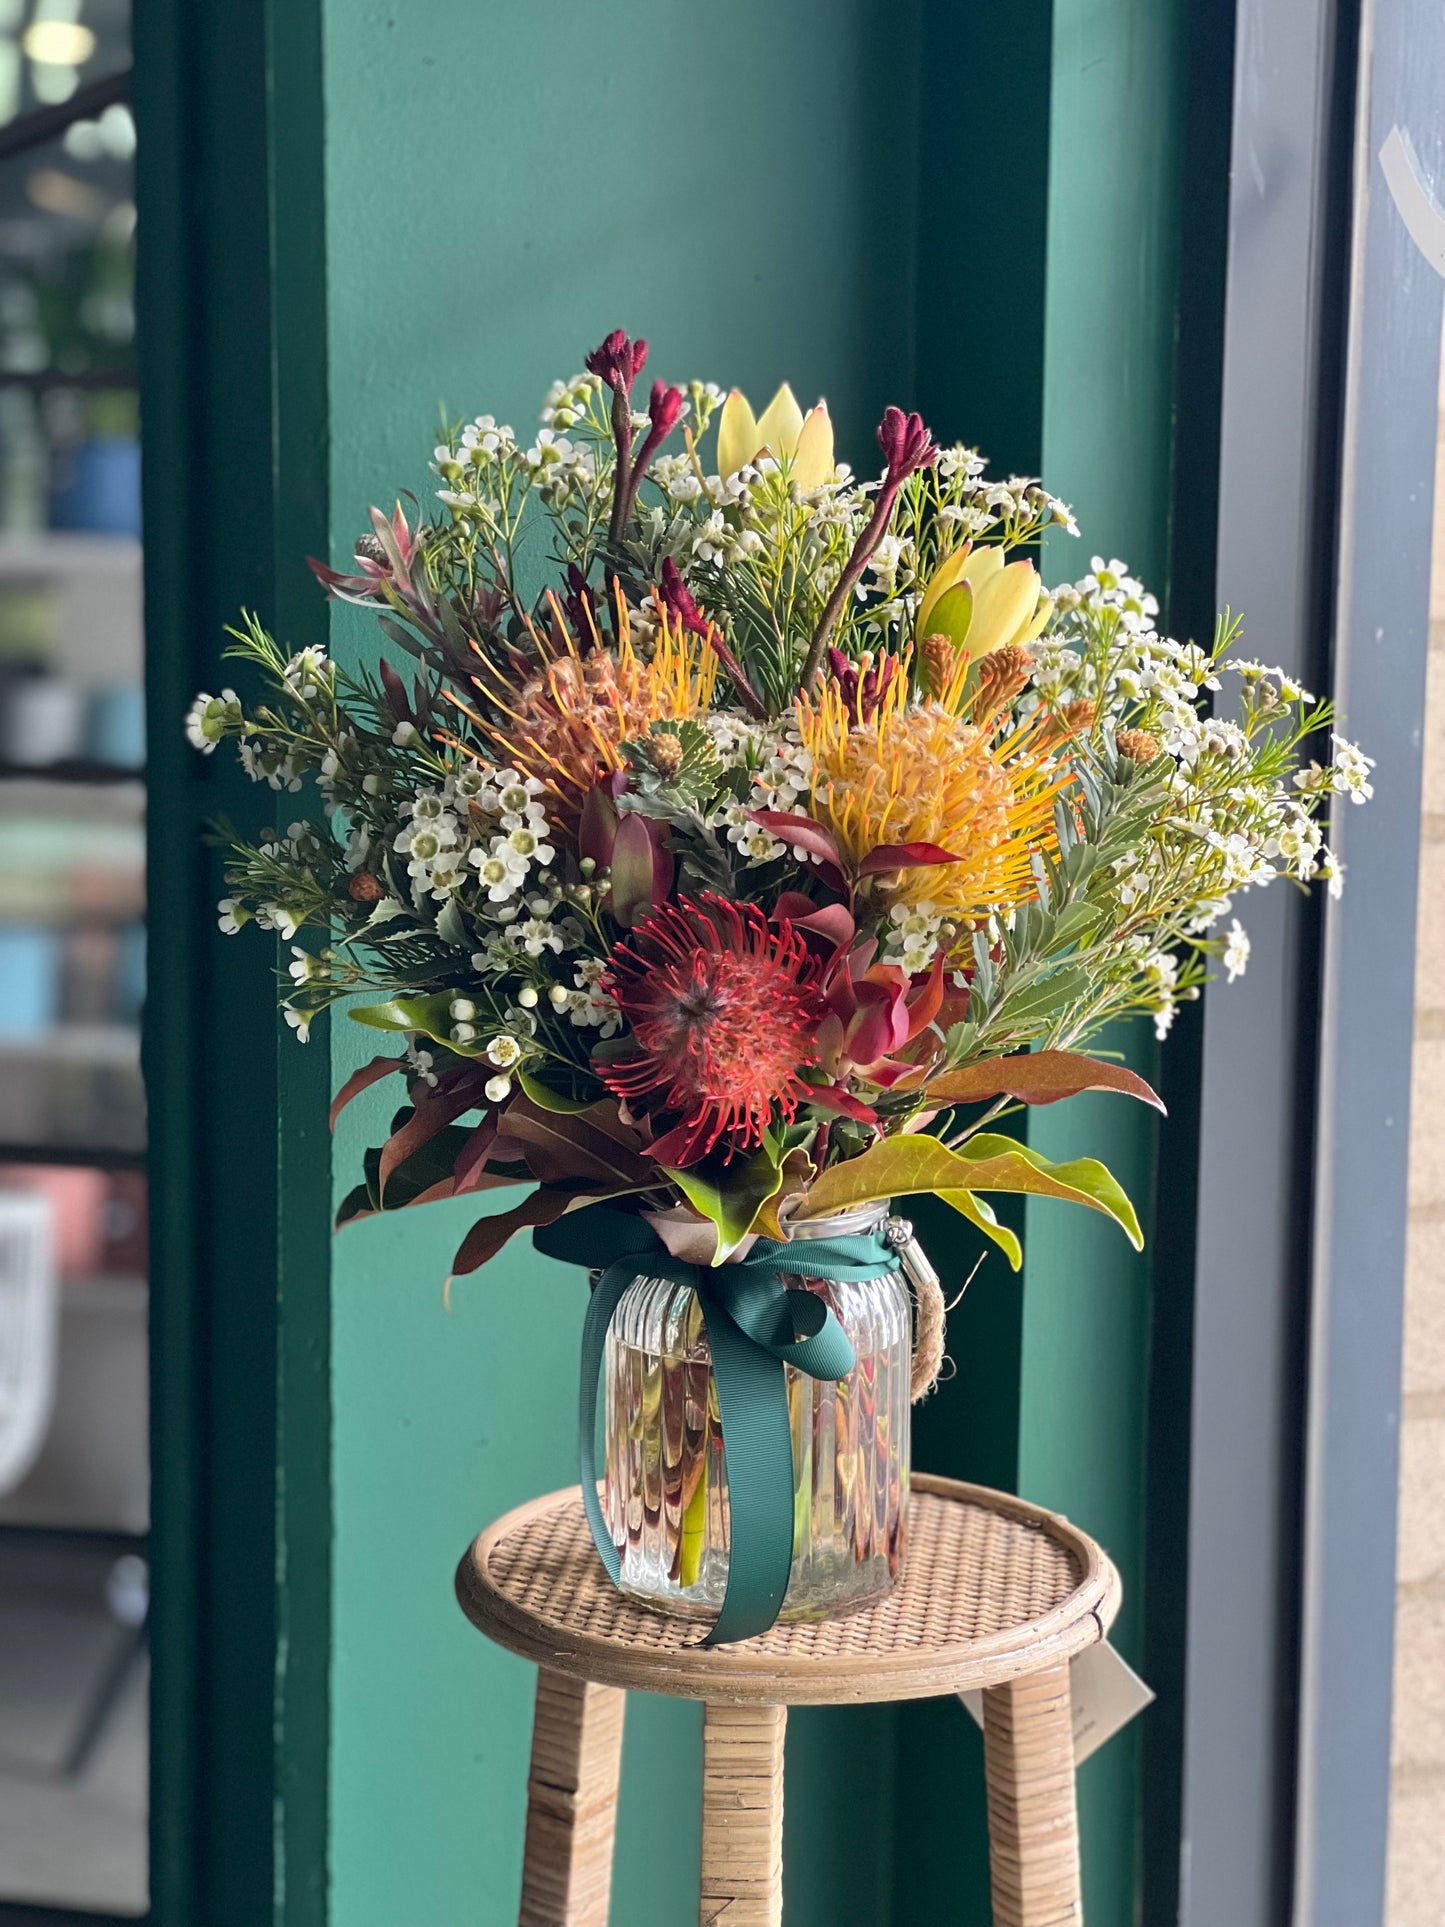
column 1106, row 1693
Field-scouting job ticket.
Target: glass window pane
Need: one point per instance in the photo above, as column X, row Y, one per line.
column 74, row 1471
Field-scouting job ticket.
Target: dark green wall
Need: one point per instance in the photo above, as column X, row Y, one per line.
column 504, row 184
column 878, row 203
column 915, row 202
column 1053, row 343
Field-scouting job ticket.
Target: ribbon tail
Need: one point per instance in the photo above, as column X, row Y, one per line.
column 752, row 1392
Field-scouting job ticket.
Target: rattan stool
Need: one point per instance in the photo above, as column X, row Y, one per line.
column 996, row 1594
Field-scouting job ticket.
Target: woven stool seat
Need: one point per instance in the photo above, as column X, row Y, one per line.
column 991, row 1587
column 996, row 1594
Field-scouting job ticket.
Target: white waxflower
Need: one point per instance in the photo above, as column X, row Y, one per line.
column 462, row 1033
column 1352, row 771
column 503, row 1051
column 913, row 938
column 1161, row 973
column 448, row 872
column 232, row 916
column 560, row 405
column 272, row 916
column 1235, row 956
column 892, row 555
column 484, row 440
column 711, row 540
column 467, row 784
column 677, row 478
column 303, row 967
column 550, row 451
column 300, row 1022
column 1299, row 841
column 1332, row 872
column 506, row 793
column 420, row 1062
column 309, row 672
column 496, row 1088
column 534, row 935
column 405, row 735
column 589, row 1006
column 423, row 846
column 528, row 843
column 501, row 869
column 209, row 718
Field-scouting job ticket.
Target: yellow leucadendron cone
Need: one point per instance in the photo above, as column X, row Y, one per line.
column 981, row 603
column 784, row 431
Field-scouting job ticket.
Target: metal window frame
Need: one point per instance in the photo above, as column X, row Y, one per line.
column 1283, row 330
column 1328, row 416
column 1387, row 507
column 45, row 124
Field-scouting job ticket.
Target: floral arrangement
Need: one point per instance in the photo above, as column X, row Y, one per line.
column 720, row 829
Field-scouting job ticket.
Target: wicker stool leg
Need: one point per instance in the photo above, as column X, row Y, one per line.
column 571, row 1803
column 742, row 1816
column 1033, row 1831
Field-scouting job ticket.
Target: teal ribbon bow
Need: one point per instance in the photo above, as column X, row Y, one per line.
column 755, row 1327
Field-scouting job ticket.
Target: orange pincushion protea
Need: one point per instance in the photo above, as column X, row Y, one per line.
column 567, row 723
column 916, row 773
column 724, row 1009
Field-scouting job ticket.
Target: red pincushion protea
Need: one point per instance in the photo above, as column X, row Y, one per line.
column 724, row 1010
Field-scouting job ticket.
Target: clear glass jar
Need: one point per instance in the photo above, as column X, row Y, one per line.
column 666, row 1497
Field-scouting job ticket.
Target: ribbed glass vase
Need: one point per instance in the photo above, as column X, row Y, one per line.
column 667, row 1489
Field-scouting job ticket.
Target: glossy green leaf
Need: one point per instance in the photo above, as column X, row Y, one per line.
column 981, row 1213
column 733, row 1198
column 995, row 1163
column 546, row 1099
column 902, row 1166
column 896, row 1167
column 420, row 1016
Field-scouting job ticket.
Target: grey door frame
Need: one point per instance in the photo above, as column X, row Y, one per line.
column 1327, row 454
column 1387, row 501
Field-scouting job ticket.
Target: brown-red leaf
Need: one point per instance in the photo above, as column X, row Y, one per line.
column 360, row 1080
column 1038, row 1077
column 903, row 856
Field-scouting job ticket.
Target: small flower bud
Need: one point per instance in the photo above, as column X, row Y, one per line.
column 939, row 658
column 527, row 997
column 1137, row 746
column 496, row 1088
column 365, row 888
column 462, row 1008
column 664, row 752
column 559, row 997
column 906, row 444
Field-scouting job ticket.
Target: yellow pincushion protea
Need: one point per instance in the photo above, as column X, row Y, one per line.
column 916, row 773
column 567, row 723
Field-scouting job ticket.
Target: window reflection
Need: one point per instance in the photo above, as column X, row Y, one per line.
column 74, row 1473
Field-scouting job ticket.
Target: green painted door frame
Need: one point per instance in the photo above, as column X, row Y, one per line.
column 231, row 331
column 996, row 224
